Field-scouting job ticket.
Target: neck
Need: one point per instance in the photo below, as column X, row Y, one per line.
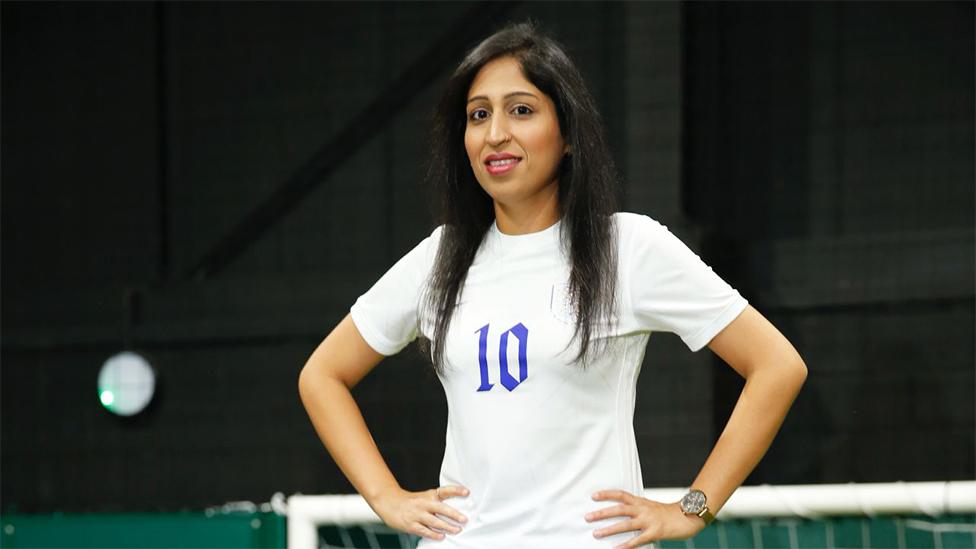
column 529, row 216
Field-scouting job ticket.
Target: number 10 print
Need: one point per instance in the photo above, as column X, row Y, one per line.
column 522, row 334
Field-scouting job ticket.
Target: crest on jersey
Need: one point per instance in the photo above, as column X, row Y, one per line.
column 561, row 303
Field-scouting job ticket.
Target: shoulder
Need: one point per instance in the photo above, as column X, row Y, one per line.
column 433, row 239
column 632, row 220
column 421, row 255
column 645, row 240
column 636, row 227
column 435, row 235
column 427, row 248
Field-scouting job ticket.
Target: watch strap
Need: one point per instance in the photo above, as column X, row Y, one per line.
column 706, row 515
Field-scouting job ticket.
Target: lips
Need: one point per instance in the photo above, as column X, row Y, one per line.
column 500, row 163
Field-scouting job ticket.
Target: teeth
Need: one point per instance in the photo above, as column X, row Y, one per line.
column 505, row 162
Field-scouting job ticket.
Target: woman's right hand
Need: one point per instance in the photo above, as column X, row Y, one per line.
column 416, row 512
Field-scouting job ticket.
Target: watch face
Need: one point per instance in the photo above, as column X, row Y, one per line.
column 693, row 502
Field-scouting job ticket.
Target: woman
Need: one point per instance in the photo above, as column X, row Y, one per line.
column 535, row 301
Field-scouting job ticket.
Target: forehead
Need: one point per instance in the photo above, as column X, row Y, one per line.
column 500, row 76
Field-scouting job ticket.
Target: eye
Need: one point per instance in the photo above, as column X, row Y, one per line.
column 473, row 116
column 525, row 110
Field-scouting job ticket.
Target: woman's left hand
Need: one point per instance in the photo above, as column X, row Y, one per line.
column 654, row 520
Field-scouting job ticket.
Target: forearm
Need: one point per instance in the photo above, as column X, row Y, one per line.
column 340, row 424
column 755, row 420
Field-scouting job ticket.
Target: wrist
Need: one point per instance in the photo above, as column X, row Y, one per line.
column 695, row 504
column 379, row 493
column 695, row 524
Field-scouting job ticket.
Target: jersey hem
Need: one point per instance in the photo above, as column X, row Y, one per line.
column 373, row 337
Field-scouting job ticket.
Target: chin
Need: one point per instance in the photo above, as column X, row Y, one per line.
column 505, row 193
column 511, row 191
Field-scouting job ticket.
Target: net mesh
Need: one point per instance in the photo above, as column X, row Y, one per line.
column 888, row 532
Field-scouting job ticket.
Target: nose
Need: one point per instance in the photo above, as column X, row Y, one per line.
column 498, row 131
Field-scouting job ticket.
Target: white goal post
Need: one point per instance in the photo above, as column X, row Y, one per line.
column 306, row 513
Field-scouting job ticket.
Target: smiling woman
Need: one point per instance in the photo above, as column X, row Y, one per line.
column 515, row 146
column 534, row 299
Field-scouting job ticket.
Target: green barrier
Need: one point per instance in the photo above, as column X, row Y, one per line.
column 267, row 530
column 150, row 530
column 881, row 532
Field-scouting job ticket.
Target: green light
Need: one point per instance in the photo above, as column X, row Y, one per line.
column 126, row 383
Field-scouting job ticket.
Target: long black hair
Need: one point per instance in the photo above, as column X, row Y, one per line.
column 587, row 186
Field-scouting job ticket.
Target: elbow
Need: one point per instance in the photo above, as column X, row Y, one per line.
column 788, row 369
column 314, row 379
column 798, row 373
column 306, row 380
column 792, row 367
column 303, row 381
column 784, row 365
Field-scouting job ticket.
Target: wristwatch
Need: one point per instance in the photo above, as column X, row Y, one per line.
column 694, row 503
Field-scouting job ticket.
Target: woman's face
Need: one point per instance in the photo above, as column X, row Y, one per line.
column 508, row 117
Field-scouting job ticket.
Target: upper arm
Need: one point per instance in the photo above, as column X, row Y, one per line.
column 750, row 342
column 343, row 355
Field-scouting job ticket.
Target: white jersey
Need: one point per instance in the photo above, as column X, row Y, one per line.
column 530, row 433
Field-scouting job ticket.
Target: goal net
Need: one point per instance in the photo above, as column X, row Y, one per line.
column 940, row 515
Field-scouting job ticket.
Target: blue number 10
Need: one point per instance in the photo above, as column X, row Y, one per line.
column 522, row 334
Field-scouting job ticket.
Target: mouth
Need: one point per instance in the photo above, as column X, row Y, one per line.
column 496, row 167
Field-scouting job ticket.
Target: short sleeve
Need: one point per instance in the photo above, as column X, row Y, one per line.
column 387, row 314
column 672, row 289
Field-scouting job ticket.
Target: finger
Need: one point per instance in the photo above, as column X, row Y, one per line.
column 452, row 491
column 615, row 511
column 639, row 541
column 421, row 530
column 619, row 495
column 618, row 528
column 433, row 521
column 448, row 511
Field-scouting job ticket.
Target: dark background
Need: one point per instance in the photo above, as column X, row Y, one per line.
column 215, row 184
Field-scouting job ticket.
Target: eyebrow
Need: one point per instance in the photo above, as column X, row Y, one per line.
column 507, row 95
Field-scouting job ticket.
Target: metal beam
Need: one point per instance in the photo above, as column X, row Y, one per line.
column 371, row 120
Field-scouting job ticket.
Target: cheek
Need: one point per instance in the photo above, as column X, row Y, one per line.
column 470, row 147
column 546, row 142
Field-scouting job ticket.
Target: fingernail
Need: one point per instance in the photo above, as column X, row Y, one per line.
column 465, row 491
column 464, row 519
column 589, row 516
